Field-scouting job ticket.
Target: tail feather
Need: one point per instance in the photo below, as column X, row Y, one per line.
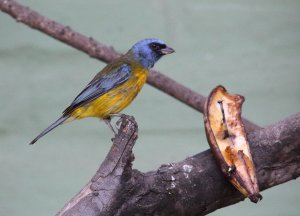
column 51, row 127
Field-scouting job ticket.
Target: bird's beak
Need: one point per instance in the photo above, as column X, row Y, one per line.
column 167, row 50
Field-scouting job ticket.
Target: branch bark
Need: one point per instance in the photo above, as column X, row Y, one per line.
column 103, row 189
column 104, row 53
column 194, row 186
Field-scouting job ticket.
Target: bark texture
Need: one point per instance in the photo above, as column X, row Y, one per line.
column 194, row 186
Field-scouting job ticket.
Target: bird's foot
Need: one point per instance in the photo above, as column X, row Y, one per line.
column 121, row 116
column 108, row 122
column 118, row 122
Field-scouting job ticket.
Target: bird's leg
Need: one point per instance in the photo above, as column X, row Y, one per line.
column 120, row 115
column 108, row 122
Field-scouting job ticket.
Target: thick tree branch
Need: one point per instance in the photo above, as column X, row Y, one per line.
column 103, row 189
column 102, row 52
column 194, row 186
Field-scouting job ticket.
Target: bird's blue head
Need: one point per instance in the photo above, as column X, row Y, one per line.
column 148, row 51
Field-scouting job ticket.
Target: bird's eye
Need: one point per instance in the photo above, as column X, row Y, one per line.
column 154, row 46
column 157, row 46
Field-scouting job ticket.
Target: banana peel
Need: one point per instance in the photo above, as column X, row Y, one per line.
column 227, row 138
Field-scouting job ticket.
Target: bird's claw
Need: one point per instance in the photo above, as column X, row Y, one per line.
column 121, row 116
column 118, row 122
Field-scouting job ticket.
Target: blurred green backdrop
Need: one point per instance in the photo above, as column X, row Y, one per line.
column 251, row 47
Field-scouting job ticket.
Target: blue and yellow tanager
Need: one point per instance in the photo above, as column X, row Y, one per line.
column 115, row 86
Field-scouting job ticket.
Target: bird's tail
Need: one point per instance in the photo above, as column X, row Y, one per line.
column 51, row 127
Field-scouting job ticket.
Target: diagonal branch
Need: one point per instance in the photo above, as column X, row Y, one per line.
column 102, row 52
column 194, row 186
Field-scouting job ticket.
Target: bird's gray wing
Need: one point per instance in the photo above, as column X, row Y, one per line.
column 106, row 80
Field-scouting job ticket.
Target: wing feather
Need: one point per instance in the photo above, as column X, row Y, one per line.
column 103, row 82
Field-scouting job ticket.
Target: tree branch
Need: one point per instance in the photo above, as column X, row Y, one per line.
column 98, row 195
column 194, row 186
column 104, row 53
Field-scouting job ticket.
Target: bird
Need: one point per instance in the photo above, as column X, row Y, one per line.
column 115, row 86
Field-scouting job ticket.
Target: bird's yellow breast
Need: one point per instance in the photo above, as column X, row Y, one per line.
column 116, row 99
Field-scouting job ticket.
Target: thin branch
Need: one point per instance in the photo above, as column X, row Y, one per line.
column 104, row 53
column 194, row 186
